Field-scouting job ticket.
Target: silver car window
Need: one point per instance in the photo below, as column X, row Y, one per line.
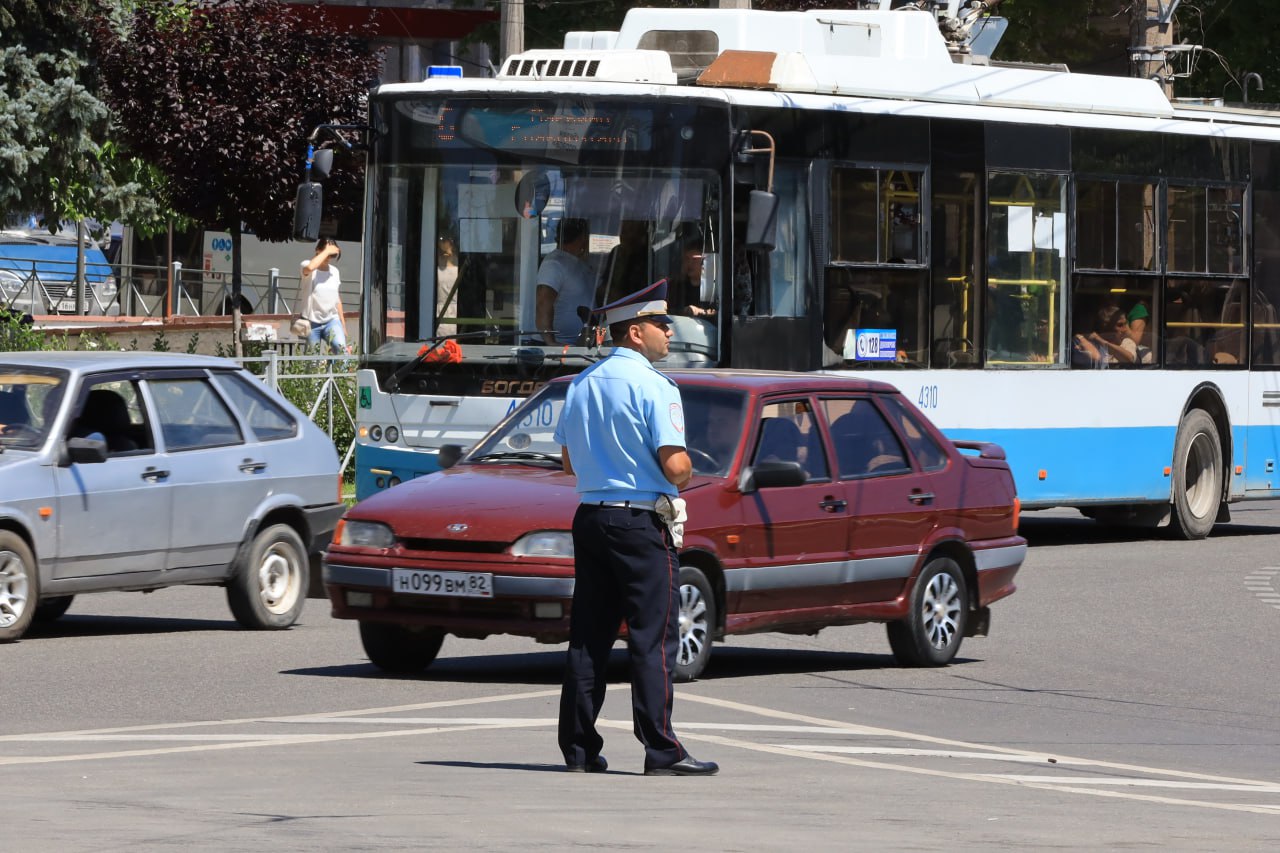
column 266, row 418
column 192, row 415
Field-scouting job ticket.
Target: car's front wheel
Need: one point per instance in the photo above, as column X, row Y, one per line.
column 398, row 648
column 19, row 586
column 931, row 633
column 269, row 587
column 697, row 623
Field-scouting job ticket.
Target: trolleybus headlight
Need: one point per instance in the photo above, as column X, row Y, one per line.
column 366, row 534
column 375, row 433
column 544, row 543
column 392, row 434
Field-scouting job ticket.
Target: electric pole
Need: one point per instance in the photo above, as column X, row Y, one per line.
column 510, row 29
column 1150, row 37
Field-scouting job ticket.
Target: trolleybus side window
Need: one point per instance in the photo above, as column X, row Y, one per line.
column 1026, row 240
column 1265, row 203
column 874, row 300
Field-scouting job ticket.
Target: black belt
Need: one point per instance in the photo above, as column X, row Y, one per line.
column 649, row 505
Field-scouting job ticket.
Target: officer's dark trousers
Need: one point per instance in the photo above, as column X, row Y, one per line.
column 624, row 569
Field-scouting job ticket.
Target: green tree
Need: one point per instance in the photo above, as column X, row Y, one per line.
column 56, row 158
column 220, row 97
column 1241, row 36
column 51, row 122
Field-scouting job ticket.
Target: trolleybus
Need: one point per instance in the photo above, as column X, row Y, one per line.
column 865, row 197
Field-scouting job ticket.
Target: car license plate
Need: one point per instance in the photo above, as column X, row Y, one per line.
column 65, row 306
column 425, row 582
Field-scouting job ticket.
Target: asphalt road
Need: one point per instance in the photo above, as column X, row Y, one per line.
column 1126, row 698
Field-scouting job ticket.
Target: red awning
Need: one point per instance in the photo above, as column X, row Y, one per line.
column 391, row 22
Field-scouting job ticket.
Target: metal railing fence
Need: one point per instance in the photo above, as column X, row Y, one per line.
column 322, row 386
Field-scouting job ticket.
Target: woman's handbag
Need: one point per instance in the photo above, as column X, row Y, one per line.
column 301, row 326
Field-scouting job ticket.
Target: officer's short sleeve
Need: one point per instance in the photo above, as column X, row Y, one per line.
column 667, row 424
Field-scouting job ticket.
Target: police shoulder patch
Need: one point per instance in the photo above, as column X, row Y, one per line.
column 677, row 417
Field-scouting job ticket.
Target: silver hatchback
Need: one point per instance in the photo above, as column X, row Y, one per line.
column 136, row 471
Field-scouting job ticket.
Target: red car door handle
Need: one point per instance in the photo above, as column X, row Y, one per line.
column 832, row 504
column 918, row 498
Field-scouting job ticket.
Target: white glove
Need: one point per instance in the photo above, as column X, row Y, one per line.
column 673, row 514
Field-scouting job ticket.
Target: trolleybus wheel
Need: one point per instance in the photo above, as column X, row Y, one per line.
column 1197, row 475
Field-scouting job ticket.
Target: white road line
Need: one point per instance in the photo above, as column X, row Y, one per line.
column 702, row 733
column 551, row 721
column 286, row 740
column 922, row 738
column 58, row 738
column 1029, row 758
column 1143, row 783
column 985, row 778
column 392, row 709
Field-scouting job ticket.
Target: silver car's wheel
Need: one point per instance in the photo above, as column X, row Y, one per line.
column 19, row 586
column 931, row 633
column 697, row 622
column 269, row 588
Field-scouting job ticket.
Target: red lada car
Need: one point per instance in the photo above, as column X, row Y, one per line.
column 815, row 501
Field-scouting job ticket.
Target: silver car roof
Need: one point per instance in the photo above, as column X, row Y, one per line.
column 81, row 361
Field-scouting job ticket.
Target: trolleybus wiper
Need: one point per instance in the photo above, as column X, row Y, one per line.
column 517, row 455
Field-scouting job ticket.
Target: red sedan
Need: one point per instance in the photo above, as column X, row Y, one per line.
column 816, row 500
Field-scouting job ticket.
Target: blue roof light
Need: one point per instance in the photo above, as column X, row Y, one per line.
column 444, row 71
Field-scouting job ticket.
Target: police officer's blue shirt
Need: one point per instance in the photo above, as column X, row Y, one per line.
column 617, row 413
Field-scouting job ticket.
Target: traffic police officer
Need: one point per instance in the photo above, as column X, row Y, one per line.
column 622, row 436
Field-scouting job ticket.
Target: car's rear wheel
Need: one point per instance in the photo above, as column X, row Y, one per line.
column 52, row 609
column 1197, row 475
column 269, row 587
column 399, row 648
column 19, row 586
column 934, row 627
column 697, row 623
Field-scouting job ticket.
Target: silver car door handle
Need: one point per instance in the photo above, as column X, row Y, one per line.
column 153, row 474
column 918, row 498
column 249, row 466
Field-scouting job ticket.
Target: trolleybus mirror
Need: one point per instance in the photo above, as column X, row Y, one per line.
column 532, row 194
column 762, row 222
column 449, row 455
column 321, row 164
column 306, row 211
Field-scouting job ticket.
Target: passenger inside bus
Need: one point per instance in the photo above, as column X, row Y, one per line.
column 626, row 270
column 684, row 295
column 446, row 285
column 565, row 285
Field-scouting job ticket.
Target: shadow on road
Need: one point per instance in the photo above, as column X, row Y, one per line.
column 546, row 668
column 1043, row 531
column 89, row 625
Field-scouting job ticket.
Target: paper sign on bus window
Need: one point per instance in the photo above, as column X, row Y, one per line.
column 871, row 345
column 1021, row 228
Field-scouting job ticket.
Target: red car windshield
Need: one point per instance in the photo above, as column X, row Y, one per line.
column 713, row 429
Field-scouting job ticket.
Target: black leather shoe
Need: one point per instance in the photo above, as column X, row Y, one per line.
column 593, row 765
column 687, row 766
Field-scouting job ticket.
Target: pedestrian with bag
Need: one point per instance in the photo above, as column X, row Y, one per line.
column 622, row 436
column 320, row 315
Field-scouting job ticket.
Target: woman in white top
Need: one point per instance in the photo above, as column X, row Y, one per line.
column 321, row 301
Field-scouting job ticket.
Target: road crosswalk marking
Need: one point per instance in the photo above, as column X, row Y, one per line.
column 764, row 731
